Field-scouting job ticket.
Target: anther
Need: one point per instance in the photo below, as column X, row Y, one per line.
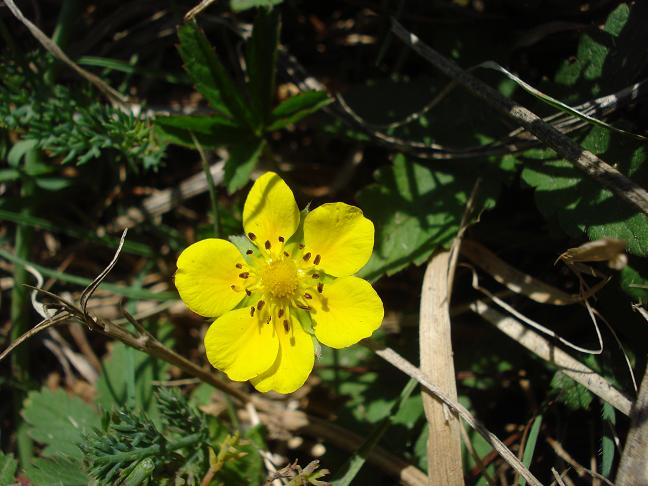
column 286, row 254
column 315, row 275
column 280, row 313
column 269, row 319
column 281, row 239
column 307, row 256
column 267, row 245
column 244, row 274
column 251, row 311
column 252, row 236
column 308, row 296
column 260, row 304
column 286, row 326
column 317, row 260
column 233, row 287
column 239, row 265
column 249, row 252
column 320, row 287
column 301, row 246
column 304, row 306
column 248, row 292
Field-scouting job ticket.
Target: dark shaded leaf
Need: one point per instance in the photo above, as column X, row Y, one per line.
column 297, row 107
column 242, row 160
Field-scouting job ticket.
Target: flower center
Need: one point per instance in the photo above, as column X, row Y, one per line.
column 280, row 279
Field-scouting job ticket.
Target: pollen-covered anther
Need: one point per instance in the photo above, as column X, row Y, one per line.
column 317, row 260
column 249, row 252
column 286, row 254
column 304, row 306
column 260, row 304
column 307, row 256
column 252, row 309
column 307, row 296
column 234, row 288
column 280, row 313
column 281, row 239
column 244, row 274
column 239, row 265
column 320, row 287
column 286, row 325
column 247, row 292
column 315, row 275
column 268, row 245
column 252, row 236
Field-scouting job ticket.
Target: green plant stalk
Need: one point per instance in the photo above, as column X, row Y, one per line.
column 213, row 197
column 19, row 315
column 153, row 450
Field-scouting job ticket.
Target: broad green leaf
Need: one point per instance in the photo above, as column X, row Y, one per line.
column 583, row 206
column 261, row 60
column 211, row 77
column 57, row 471
column 417, row 208
column 240, row 5
column 7, row 175
column 572, row 394
column 297, row 107
column 241, row 162
column 113, row 383
column 8, row 466
column 210, row 131
column 59, row 421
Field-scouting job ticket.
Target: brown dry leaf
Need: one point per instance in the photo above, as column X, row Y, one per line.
column 608, row 250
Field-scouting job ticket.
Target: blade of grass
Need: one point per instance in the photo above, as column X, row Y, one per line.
column 529, row 447
column 352, row 467
column 133, row 293
column 211, row 186
column 132, row 247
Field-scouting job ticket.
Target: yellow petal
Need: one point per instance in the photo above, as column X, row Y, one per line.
column 241, row 345
column 341, row 236
column 270, row 210
column 206, row 272
column 294, row 362
column 347, row 310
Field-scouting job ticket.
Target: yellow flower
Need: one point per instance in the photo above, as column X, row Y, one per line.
column 295, row 288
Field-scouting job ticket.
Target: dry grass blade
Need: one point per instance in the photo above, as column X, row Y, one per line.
column 542, row 347
column 393, row 358
column 41, row 326
column 584, row 160
column 435, row 348
column 116, row 98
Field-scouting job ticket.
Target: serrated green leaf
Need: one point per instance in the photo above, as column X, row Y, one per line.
column 416, row 209
column 297, row 107
column 59, row 421
column 8, row 466
column 240, row 5
column 581, row 205
column 572, row 394
column 112, row 385
column 211, row 77
column 210, row 131
column 261, row 60
column 241, row 162
column 57, row 472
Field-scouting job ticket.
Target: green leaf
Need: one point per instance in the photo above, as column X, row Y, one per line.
column 261, row 60
column 240, row 5
column 607, row 440
column 8, row 175
column 53, row 183
column 572, row 394
column 297, row 107
column 211, row 77
column 20, row 150
column 8, row 466
column 529, row 446
column 59, row 421
column 582, row 206
column 416, row 209
column 57, row 472
column 241, row 162
column 210, row 131
column 112, row 386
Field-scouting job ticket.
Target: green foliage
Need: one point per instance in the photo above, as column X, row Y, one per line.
column 240, row 5
column 417, row 209
column 71, row 124
column 607, row 439
column 530, row 445
column 59, row 421
column 57, row 471
column 572, row 394
column 8, row 466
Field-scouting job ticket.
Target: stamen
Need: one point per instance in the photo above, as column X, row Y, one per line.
column 304, row 306
column 267, row 245
column 252, row 236
column 252, row 311
column 307, row 256
column 301, row 246
column 320, row 287
column 233, row 287
column 239, row 265
column 249, row 252
column 260, row 304
column 280, row 313
column 315, row 275
column 281, row 239
column 269, row 319
column 248, row 292
column 308, row 296
column 317, row 260
column 286, row 254
column 244, row 274
column 286, row 326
